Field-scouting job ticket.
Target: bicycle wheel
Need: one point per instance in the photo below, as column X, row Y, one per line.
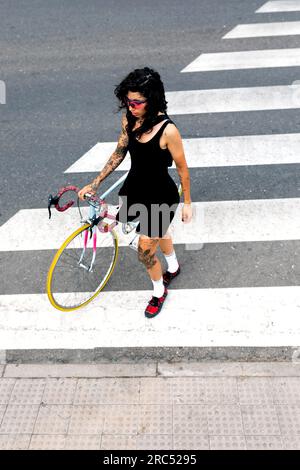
column 81, row 268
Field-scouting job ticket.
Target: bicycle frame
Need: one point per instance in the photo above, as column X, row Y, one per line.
column 95, row 218
column 104, row 227
column 93, row 212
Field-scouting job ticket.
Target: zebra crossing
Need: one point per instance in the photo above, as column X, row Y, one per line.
column 224, row 317
column 215, row 151
column 229, row 317
column 245, row 60
column 217, row 222
column 280, row 28
column 231, row 100
column 279, row 6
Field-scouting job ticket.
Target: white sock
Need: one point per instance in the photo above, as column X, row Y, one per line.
column 172, row 262
column 158, row 287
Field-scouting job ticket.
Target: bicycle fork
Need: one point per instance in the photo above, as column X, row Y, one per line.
column 92, row 213
column 85, row 241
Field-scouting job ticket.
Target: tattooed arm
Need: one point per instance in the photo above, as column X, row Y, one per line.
column 114, row 161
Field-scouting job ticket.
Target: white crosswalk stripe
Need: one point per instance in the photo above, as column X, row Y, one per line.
column 284, row 28
column 279, row 6
column 245, row 60
column 257, row 316
column 225, row 100
column 209, row 152
column 214, row 222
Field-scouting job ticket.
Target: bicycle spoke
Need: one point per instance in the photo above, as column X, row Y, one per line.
column 72, row 284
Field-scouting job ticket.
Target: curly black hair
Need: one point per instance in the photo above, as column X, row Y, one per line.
column 147, row 82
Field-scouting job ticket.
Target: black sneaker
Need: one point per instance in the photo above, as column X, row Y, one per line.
column 168, row 277
column 155, row 305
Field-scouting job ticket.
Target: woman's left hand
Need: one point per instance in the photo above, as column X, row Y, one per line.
column 186, row 213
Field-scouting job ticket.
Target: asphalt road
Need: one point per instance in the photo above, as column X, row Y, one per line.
column 60, row 61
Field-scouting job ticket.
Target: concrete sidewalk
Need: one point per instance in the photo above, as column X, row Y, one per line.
column 154, row 406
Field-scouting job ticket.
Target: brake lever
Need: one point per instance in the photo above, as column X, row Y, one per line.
column 52, row 201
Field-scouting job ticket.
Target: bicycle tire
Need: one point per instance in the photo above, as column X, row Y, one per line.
column 52, row 296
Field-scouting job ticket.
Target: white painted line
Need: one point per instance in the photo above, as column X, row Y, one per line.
column 96, row 158
column 281, row 28
column 279, row 6
column 257, row 316
column 226, row 100
column 269, row 149
column 213, row 222
column 245, row 60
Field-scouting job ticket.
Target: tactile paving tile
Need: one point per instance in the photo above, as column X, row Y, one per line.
column 6, row 387
column 291, row 442
column 190, row 442
column 27, row 392
column 157, row 441
column 121, row 419
column 59, row 391
column 227, row 443
column 190, row 419
column 155, row 419
column 264, row 443
column 107, row 391
column 14, row 441
column 188, row 390
column 260, row 420
column 2, row 411
column 19, row 419
column 118, row 442
column 224, row 420
column 255, row 390
column 53, row 419
column 286, row 390
column 50, row 441
column 221, row 390
column 155, row 391
column 289, row 419
column 83, row 442
column 87, row 419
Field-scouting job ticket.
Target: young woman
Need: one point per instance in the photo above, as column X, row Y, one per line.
column 153, row 141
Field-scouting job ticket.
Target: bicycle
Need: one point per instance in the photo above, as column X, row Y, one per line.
column 84, row 263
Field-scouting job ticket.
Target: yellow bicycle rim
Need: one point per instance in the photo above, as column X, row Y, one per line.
column 55, row 260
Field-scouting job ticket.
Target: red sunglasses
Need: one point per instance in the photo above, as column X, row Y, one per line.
column 134, row 103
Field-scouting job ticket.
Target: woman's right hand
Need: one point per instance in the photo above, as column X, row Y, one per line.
column 86, row 189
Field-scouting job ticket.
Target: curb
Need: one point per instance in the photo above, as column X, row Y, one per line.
column 146, row 355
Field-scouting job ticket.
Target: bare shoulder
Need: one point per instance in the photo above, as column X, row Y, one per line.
column 124, row 124
column 171, row 132
column 123, row 138
column 124, row 120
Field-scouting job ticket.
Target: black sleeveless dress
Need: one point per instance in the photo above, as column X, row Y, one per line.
column 149, row 194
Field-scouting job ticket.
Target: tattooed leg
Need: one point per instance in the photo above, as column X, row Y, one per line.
column 147, row 256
